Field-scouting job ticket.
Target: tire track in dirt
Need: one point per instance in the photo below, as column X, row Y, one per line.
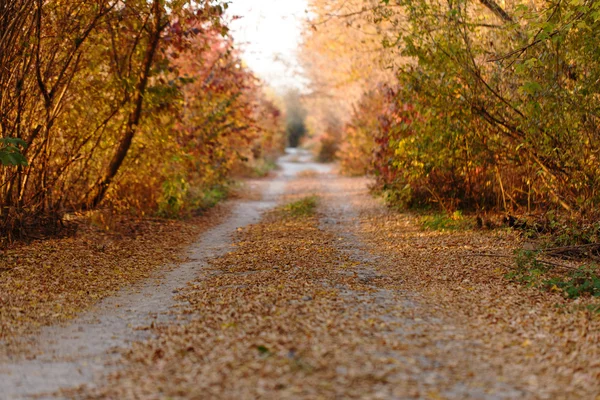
column 441, row 363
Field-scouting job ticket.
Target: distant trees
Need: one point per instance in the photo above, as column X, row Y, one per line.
column 295, row 117
column 137, row 104
column 343, row 56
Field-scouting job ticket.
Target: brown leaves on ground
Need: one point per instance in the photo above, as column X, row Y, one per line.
column 552, row 343
column 50, row 281
column 253, row 316
column 275, row 318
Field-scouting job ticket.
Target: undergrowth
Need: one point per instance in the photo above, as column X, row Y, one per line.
column 258, row 168
column 531, row 270
column 182, row 200
column 559, row 230
column 446, row 222
column 571, row 282
column 263, row 168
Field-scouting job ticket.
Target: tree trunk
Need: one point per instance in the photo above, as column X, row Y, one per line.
column 135, row 116
column 497, row 10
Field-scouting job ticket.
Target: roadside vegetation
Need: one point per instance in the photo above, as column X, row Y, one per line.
column 488, row 108
column 143, row 107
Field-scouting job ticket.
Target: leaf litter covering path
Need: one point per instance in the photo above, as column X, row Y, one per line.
column 324, row 319
column 300, row 310
column 67, row 356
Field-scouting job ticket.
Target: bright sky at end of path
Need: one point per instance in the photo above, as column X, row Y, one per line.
column 269, row 33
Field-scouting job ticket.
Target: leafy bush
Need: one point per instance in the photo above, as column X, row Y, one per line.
column 493, row 106
column 329, row 141
column 148, row 110
column 583, row 281
column 357, row 145
column 10, row 152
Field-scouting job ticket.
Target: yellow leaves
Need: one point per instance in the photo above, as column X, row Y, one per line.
column 228, row 325
column 349, row 264
column 435, row 395
column 555, row 289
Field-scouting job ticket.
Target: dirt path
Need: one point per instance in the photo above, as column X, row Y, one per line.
column 301, row 309
column 346, row 300
column 433, row 356
column 74, row 354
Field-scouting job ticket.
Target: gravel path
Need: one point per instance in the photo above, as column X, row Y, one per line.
column 80, row 352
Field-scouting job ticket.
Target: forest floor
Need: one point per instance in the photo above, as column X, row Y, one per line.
column 312, row 289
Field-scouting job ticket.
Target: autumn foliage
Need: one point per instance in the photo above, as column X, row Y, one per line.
column 491, row 107
column 139, row 105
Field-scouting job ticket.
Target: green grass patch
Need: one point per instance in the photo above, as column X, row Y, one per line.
column 211, row 197
column 583, row 281
column 572, row 283
column 304, row 207
column 446, row 222
column 180, row 200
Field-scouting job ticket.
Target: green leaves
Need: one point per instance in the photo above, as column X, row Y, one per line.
column 530, row 88
column 580, row 282
column 263, row 351
column 10, row 152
